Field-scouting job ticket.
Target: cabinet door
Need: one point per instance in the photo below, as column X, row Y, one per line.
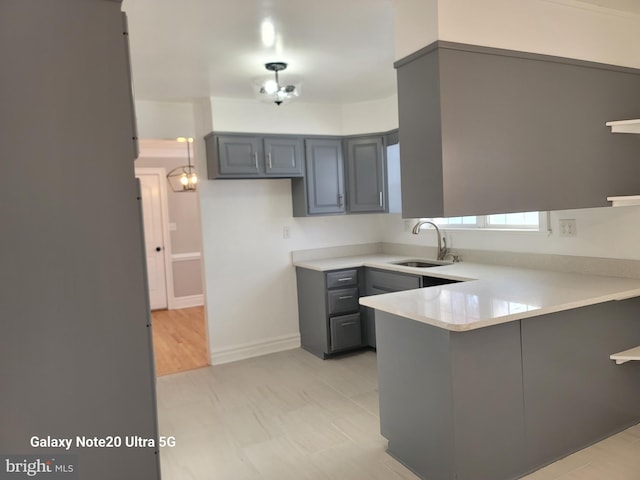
column 239, row 155
column 383, row 281
column 325, row 176
column 342, row 278
column 345, row 332
column 283, row 156
column 344, row 300
column 366, row 175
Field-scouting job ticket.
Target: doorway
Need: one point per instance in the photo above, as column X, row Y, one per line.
column 173, row 245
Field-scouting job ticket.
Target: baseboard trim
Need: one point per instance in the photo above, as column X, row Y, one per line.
column 255, row 349
column 187, row 301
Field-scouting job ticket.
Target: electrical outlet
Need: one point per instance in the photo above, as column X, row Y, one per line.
column 286, row 233
column 568, row 228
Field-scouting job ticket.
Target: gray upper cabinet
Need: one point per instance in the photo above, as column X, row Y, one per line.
column 238, row 155
column 485, row 130
column 254, row 156
column 283, row 156
column 365, row 159
column 322, row 190
column 316, row 165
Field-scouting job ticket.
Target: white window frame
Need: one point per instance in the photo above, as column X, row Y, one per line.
column 482, row 224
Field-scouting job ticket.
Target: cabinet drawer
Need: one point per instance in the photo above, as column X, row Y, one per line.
column 345, row 332
column 391, row 281
column 344, row 300
column 343, row 278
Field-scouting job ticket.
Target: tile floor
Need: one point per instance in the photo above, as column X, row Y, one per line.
column 292, row 416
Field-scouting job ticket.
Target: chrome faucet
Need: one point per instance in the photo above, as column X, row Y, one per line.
column 442, row 242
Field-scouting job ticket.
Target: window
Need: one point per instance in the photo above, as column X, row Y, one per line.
column 532, row 221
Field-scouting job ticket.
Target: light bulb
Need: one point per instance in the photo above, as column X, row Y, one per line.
column 184, row 180
column 194, row 178
column 268, row 33
column 270, row 87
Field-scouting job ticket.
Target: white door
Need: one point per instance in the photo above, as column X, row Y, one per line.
column 153, row 236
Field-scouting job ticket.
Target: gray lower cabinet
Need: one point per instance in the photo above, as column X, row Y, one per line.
column 498, row 402
column 385, row 281
column 366, row 175
column 389, row 281
column 254, row 156
column 345, row 331
column 322, row 190
column 328, row 310
column 574, row 394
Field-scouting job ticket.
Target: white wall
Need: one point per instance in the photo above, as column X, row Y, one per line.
column 164, row 120
column 567, row 28
column 602, row 232
column 368, row 117
column 236, row 115
column 415, row 24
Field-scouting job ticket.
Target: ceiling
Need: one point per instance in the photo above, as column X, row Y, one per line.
column 340, row 51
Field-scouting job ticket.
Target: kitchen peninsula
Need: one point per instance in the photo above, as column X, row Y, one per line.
column 502, row 372
column 494, row 377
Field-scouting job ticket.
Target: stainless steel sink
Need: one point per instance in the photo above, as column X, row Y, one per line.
column 420, row 263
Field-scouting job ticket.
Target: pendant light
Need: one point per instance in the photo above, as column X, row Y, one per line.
column 272, row 89
column 184, row 177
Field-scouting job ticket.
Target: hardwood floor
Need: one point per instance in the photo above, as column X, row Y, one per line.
column 179, row 340
column 293, row 416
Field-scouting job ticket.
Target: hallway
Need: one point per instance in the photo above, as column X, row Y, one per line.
column 179, row 340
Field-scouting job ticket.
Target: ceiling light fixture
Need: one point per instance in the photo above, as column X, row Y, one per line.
column 184, row 177
column 272, row 88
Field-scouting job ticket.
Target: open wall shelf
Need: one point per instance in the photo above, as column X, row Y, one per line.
column 625, row 126
column 626, row 356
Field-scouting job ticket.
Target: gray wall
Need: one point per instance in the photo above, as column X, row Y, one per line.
column 75, row 347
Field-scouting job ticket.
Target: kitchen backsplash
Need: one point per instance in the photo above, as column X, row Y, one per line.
column 559, row 263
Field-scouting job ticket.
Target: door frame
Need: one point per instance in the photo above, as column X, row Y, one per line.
column 161, row 173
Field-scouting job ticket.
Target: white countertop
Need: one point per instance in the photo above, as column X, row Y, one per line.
column 488, row 294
